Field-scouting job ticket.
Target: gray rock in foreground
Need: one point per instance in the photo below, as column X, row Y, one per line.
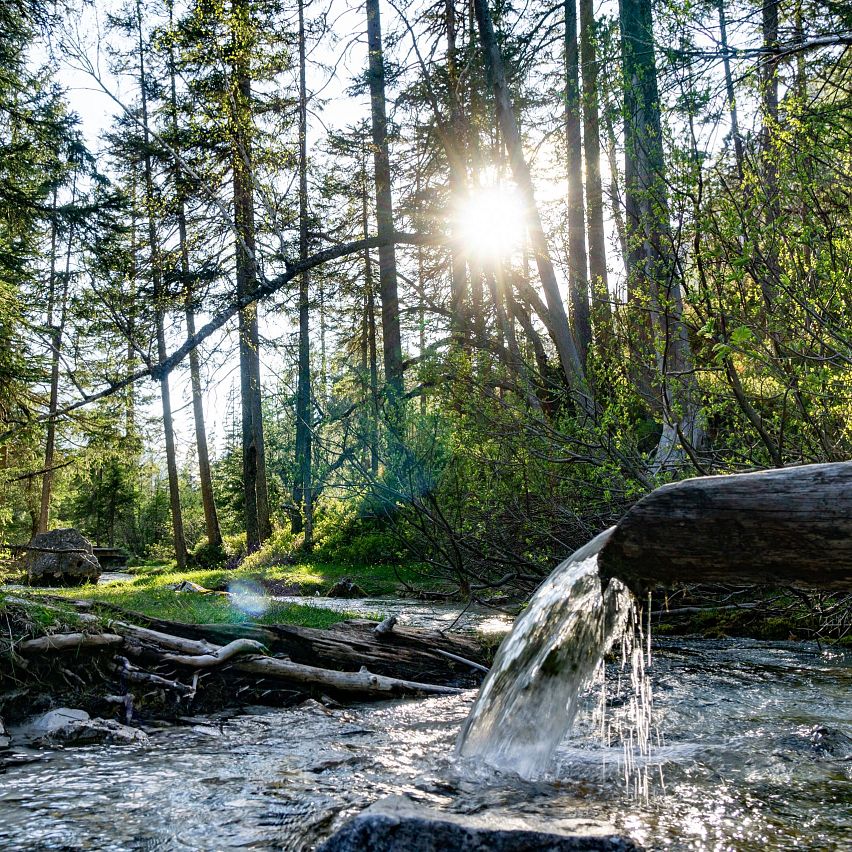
column 68, row 726
column 61, row 557
column 396, row 824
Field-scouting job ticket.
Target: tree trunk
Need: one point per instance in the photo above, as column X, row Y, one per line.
column 729, row 91
column 651, row 257
column 370, row 323
column 791, row 526
column 56, row 349
column 601, row 309
column 578, row 279
column 458, row 288
column 254, row 456
column 208, row 500
column 568, row 355
column 159, row 299
column 391, row 335
column 302, row 488
column 769, row 109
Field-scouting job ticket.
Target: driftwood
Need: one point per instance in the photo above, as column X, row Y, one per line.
column 405, row 652
column 362, row 682
column 132, row 674
column 268, row 663
column 786, row 527
column 68, row 642
column 216, row 658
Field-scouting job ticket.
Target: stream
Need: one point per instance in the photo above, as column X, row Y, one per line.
column 736, row 766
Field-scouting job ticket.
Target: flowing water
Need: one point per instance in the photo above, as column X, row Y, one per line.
column 531, row 696
column 741, row 767
column 751, row 746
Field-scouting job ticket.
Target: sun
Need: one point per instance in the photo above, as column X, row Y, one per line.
column 491, row 222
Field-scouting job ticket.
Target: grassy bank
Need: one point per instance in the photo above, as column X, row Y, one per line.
column 153, row 594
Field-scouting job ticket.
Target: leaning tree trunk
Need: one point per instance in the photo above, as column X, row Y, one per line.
column 569, row 357
column 791, row 526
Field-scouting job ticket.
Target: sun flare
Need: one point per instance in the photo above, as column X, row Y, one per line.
column 491, row 222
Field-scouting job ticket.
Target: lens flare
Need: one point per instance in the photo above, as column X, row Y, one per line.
column 491, row 222
column 249, row 598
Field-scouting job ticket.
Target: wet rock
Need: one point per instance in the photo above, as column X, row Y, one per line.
column 5, row 739
column 61, row 557
column 346, row 588
column 68, row 726
column 831, row 742
column 188, row 586
column 397, row 824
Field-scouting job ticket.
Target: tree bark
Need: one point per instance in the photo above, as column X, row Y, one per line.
column 391, row 335
column 159, row 299
column 739, row 154
column 302, row 488
column 254, row 455
column 569, row 358
column 578, row 277
column 650, row 253
column 791, row 526
column 457, row 178
column 208, row 499
column 56, row 349
column 601, row 309
column 370, row 324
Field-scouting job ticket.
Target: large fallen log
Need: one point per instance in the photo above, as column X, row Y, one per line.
column 791, row 526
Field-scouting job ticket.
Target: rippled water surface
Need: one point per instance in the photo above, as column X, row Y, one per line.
column 737, row 763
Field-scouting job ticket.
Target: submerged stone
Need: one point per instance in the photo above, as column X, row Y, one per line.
column 397, row 824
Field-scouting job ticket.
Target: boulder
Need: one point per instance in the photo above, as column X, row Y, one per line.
column 68, row 726
column 398, row 824
column 61, row 558
column 346, row 588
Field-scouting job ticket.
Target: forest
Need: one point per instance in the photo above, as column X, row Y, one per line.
column 337, row 328
column 458, row 283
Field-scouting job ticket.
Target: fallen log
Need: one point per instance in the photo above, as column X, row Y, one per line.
column 787, row 527
column 132, row 674
column 405, row 652
column 216, row 658
column 362, row 682
column 68, row 642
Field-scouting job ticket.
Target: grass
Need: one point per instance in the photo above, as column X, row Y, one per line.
column 311, row 577
column 150, row 594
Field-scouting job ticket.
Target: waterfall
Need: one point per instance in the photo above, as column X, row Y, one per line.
column 530, row 697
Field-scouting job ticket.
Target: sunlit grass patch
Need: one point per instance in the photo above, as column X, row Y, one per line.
column 154, row 597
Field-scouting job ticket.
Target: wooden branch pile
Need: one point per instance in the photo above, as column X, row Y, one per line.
column 232, row 663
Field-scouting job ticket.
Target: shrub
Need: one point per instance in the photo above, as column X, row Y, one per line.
column 276, row 550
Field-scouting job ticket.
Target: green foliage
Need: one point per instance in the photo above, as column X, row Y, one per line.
column 277, row 550
column 356, row 534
